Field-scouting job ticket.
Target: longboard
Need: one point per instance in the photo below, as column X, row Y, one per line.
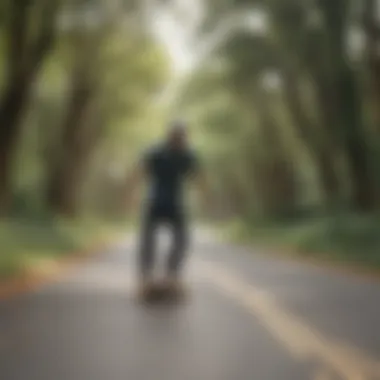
column 159, row 291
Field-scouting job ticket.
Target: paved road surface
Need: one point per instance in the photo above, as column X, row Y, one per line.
column 249, row 317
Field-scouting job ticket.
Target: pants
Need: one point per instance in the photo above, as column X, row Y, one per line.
column 154, row 218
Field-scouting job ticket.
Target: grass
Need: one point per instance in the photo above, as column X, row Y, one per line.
column 28, row 244
column 348, row 238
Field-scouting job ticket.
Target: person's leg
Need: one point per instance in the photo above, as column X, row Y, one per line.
column 179, row 245
column 147, row 245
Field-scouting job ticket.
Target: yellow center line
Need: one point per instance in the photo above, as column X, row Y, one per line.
column 295, row 335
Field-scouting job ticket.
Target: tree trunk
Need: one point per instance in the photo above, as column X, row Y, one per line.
column 24, row 57
column 358, row 150
column 328, row 178
column 278, row 185
column 363, row 190
column 320, row 151
column 13, row 102
column 372, row 30
column 67, row 167
column 349, row 108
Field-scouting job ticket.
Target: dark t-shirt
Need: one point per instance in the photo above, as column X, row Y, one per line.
column 167, row 171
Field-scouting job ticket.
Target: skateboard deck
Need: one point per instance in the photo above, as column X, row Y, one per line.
column 159, row 291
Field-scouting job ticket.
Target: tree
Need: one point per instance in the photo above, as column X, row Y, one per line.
column 26, row 52
column 309, row 39
column 114, row 71
column 349, row 105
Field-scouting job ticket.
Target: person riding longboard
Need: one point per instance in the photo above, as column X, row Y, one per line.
column 166, row 166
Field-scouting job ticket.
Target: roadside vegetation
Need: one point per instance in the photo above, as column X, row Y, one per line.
column 352, row 240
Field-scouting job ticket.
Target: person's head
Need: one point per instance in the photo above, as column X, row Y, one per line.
column 177, row 135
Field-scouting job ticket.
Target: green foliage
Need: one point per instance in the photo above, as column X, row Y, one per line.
column 135, row 72
column 125, row 71
column 27, row 243
column 353, row 239
column 284, row 123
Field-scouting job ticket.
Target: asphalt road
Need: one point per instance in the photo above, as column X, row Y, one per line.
column 247, row 317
